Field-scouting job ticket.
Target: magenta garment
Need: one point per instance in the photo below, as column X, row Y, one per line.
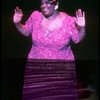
column 54, row 45
column 50, row 80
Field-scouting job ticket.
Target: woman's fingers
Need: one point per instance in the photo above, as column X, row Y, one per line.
column 79, row 13
column 17, row 10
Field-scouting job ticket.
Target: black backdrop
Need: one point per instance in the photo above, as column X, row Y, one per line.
column 14, row 46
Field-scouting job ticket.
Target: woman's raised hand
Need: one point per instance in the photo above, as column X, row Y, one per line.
column 80, row 18
column 17, row 15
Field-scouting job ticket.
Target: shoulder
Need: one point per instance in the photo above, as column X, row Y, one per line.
column 65, row 14
column 36, row 13
column 68, row 18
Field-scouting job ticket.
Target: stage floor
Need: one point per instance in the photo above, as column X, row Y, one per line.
column 92, row 97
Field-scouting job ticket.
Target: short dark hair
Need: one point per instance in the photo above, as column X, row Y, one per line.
column 53, row 1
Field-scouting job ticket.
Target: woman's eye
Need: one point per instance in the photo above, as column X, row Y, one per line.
column 47, row 2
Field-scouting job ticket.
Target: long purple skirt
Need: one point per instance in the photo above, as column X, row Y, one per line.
column 50, row 80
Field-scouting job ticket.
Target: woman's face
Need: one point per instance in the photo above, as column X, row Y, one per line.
column 47, row 7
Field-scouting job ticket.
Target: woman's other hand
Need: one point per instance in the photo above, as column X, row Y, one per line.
column 17, row 15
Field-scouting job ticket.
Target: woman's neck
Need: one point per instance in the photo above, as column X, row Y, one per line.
column 54, row 15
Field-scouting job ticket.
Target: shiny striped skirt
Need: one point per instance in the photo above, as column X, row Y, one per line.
column 50, row 80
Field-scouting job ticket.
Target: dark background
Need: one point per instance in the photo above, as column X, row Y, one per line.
column 15, row 47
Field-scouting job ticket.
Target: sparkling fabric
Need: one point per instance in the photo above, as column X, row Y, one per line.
column 51, row 44
column 50, row 80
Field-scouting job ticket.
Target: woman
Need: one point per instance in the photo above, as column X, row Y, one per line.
column 51, row 33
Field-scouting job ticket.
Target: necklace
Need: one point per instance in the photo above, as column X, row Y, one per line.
column 45, row 26
column 47, row 33
column 50, row 25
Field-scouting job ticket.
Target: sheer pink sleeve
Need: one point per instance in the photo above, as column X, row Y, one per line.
column 74, row 31
column 30, row 22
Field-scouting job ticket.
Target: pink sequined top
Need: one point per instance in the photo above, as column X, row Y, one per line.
column 55, row 43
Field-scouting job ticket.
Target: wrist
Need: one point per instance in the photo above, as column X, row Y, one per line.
column 17, row 23
column 81, row 28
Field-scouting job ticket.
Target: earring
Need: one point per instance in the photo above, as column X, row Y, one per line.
column 56, row 7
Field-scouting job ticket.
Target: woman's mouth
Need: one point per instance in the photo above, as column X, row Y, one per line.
column 45, row 10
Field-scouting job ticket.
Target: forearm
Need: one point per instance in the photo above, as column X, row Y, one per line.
column 82, row 32
column 22, row 29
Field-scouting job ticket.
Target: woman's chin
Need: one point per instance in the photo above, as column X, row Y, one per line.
column 46, row 14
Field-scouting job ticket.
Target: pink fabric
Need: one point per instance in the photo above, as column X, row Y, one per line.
column 56, row 44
